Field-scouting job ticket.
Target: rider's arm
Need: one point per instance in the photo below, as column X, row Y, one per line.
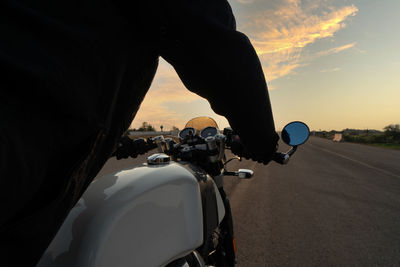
column 220, row 64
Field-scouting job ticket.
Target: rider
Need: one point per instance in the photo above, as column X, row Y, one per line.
column 73, row 76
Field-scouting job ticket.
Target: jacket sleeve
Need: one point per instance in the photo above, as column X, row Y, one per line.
column 219, row 63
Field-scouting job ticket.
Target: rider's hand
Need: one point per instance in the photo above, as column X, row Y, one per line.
column 240, row 150
column 124, row 147
column 132, row 148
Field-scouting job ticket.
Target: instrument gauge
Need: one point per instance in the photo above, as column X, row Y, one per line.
column 209, row 131
column 186, row 132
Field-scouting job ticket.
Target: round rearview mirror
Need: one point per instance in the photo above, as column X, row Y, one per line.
column 295, row 133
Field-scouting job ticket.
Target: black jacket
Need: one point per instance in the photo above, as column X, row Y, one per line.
column 73, row 74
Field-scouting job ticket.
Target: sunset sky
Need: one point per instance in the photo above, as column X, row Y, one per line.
column 332, row 64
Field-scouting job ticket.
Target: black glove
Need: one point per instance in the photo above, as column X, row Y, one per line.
column 238, row 148
column 132, row 148
column 124, row 147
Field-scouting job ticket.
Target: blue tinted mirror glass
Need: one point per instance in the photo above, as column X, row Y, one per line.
column 295, row 133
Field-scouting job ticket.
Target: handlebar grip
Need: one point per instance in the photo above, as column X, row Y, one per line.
column 281, row 158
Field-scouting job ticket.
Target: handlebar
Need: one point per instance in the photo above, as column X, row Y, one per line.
column 128, row 147
column 238, row 149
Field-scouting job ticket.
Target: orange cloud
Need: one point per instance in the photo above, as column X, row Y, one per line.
column 166, row 88
column 156, row 116
column 280, row 35
column 336, row 49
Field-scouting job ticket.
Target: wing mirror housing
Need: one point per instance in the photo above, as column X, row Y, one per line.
column 295, row 133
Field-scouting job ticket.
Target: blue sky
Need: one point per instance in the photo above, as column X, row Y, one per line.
column 332, row 64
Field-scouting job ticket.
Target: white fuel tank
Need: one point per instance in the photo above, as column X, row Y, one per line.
column 146, row 216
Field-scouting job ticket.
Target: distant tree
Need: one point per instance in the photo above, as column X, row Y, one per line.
column 392, row 128
column 174, row 128
column 161, row 127
column 146, row 127
column 392, row 131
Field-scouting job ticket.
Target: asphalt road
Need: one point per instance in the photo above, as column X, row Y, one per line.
column 334, row 204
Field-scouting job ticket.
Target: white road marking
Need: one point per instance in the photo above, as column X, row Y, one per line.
column 357, row 161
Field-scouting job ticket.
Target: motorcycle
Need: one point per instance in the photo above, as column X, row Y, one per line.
column 170, row 211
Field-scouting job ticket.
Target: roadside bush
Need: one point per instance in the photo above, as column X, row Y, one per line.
column 366, row 139
column 379, row 138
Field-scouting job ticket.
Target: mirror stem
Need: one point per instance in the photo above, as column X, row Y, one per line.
column 292, row 150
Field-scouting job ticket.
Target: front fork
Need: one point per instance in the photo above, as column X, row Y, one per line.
column 226, row 227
